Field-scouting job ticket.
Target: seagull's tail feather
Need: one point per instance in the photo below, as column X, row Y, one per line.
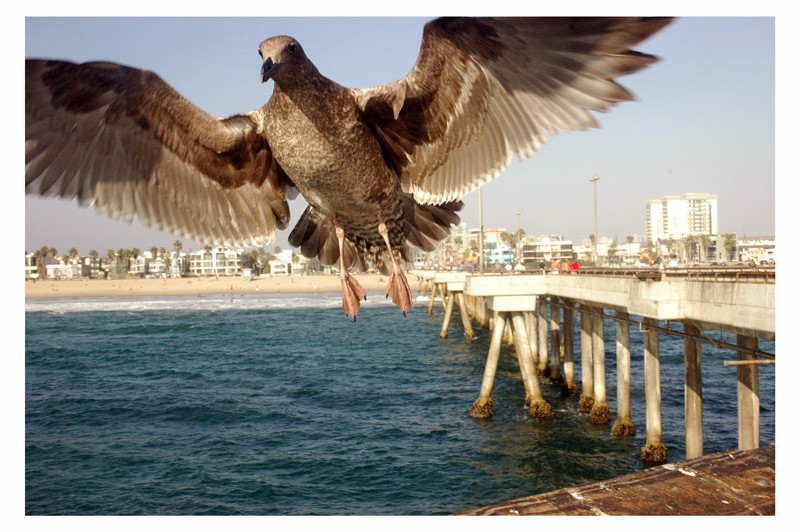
column 426, row 225
column 315, row 235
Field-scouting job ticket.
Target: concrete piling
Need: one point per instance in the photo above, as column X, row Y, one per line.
column 600, row 413
column 747, row 397
column 623, row 426
column 541, row 310
column 654, row 451
column 693, row 390
column 569, row 388
column 587, row 372
column 555, row 343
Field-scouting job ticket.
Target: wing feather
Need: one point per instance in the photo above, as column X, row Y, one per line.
column 122, row 140
column 485, row 90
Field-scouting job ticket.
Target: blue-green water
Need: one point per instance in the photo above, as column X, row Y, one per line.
column 281, row 406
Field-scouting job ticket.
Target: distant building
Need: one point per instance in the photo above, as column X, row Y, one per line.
column 677, row 217
column 215, row 261
column 547, row 249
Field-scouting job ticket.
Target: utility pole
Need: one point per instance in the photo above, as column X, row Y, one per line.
column 594, row 180
column 519, row 240
column 480, row 229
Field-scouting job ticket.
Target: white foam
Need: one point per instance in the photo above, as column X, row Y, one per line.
column 215, row 302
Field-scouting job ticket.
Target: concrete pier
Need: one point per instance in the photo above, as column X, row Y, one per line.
column 600, row 413
column 541, row 311
column 693, row 391
column 654, row 451
column 569, row 388
column 452, row 286
column 740, row 304
column 747, row 395
column 623, row 426
column 587, row 371
column 555, row 343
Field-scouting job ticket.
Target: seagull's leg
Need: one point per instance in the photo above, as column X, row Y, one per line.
column 398, row 284
column 352, row 293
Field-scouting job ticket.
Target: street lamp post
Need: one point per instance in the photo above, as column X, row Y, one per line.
column 480, row 230
column 594, row 180
column 519, row 244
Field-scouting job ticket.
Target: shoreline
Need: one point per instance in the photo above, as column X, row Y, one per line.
column 89, row 288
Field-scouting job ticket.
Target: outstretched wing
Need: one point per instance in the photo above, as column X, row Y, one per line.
column 485, row 90
column 124, row 141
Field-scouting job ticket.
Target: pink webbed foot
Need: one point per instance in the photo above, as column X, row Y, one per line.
column 399, row 290
column 352, row 294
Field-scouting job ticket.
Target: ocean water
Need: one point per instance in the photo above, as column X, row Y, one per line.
column 278, row 405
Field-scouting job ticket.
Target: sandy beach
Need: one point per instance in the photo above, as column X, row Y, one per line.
column 200, row 285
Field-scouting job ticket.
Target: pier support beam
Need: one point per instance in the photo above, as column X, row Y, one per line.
column 542, row 313
column 534, row 400
column 747, row 395
column 448, row 313
column 600, row 413
column 587, row 372
column 462, row 309
column 531, row 325
column 693, row 390
column 482, row 407
column 433, row 297
column 569, row 389
column 654, row 451
column 555, row 342
column 623, row 426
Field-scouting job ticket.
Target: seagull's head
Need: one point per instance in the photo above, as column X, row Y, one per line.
column 282, row 58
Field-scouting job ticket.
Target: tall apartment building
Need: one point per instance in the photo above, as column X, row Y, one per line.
column 676, row 217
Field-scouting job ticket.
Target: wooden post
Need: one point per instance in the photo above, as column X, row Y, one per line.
column 587, row 372
column 623, row 426
column 538, row 407
column 654, row 451
column 541, row 307
column 482, row 407
column 448, row 313
column 555, row 342
column 693, row 391
column 569, row 352
column 600, row 413
column 747, row 396
column 462, row 309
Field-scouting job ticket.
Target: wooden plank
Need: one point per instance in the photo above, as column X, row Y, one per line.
column 727, row 483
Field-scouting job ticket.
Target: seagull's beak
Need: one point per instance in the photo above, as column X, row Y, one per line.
column 268, row 69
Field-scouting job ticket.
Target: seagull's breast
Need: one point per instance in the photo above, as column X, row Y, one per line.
column 330, row 155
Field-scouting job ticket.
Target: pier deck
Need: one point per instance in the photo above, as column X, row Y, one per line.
column 728, row 483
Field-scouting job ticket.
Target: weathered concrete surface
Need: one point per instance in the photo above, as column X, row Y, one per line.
column 741, row 308
column 727, row 483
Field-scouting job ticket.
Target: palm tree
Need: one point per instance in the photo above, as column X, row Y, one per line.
column 729, row 245
column 73, row 254
column 93, row 259
column 41, row 261
column 123, row 266
column 111, row 256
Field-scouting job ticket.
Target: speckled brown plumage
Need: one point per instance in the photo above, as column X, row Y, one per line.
column 397, row 157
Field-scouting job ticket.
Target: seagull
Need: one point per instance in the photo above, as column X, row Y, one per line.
column 382, row 168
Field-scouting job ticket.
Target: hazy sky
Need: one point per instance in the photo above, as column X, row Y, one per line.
column 703, row 121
